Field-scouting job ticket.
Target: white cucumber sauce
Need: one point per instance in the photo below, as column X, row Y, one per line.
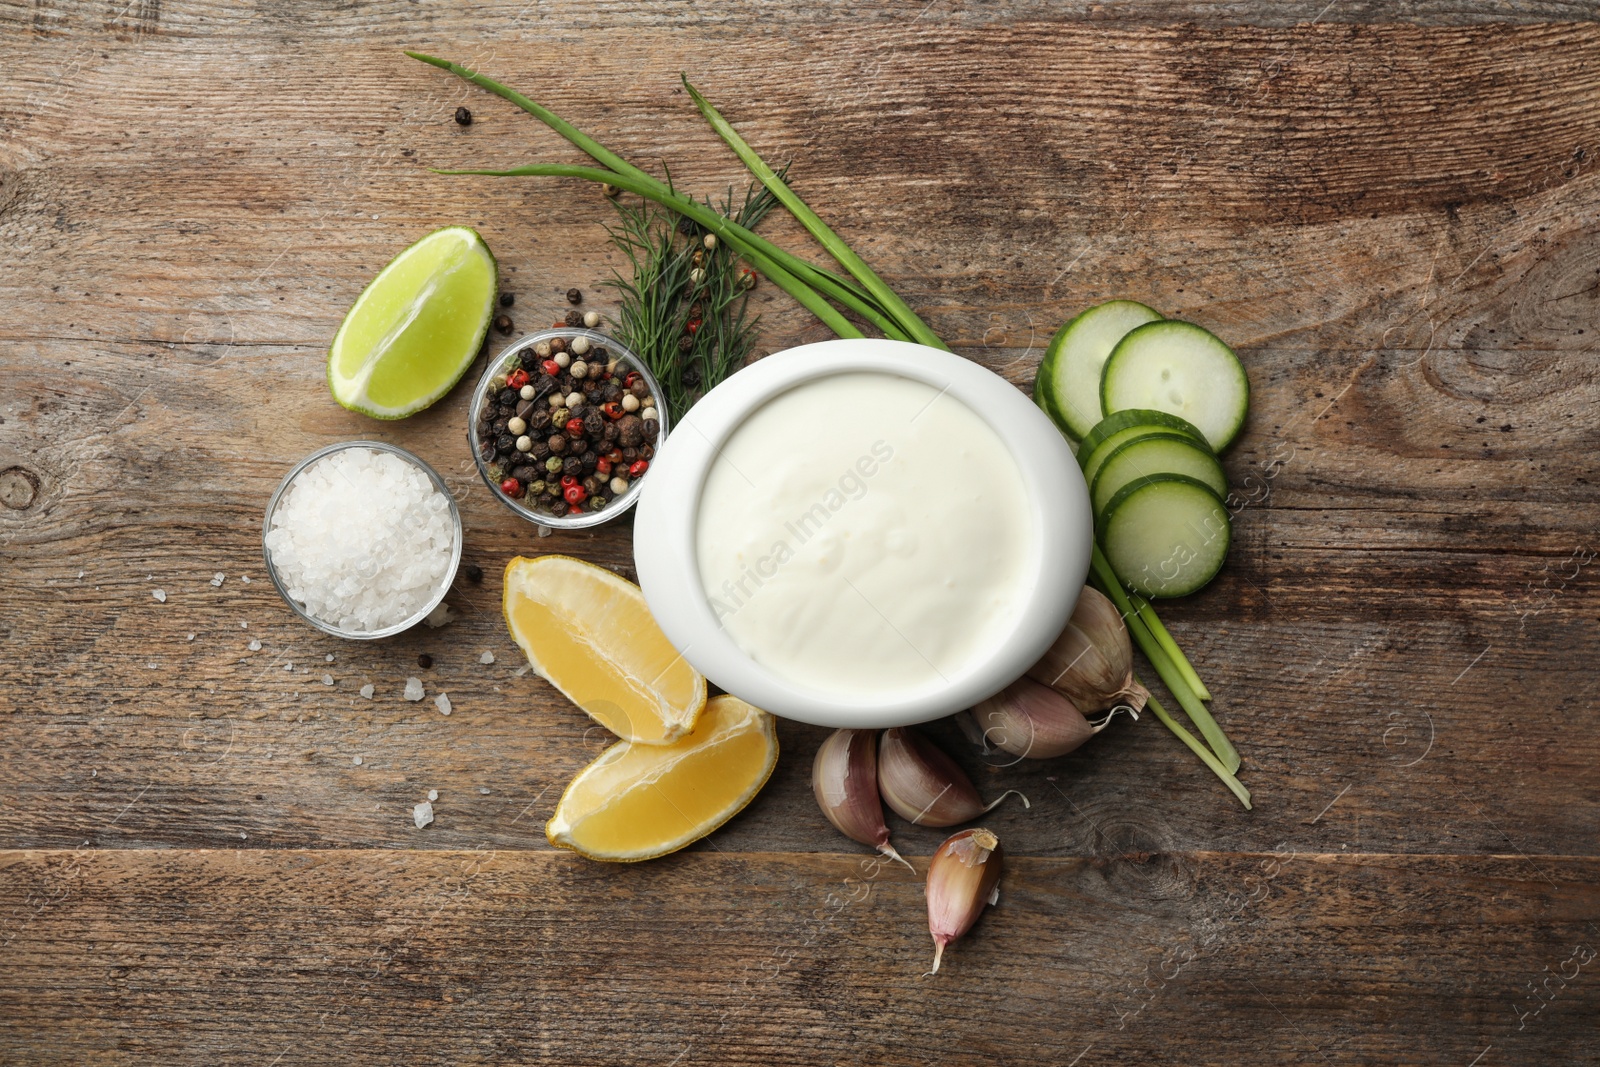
column 866, row 535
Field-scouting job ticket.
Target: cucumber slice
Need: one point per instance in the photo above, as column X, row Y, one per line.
column 1179, row 368
column 1068, row 383
column 1153, row 454
column 1166, row 535
column 1093, row 462
column 1133, row 418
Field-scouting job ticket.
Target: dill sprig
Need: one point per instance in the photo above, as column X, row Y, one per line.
column 691, row 330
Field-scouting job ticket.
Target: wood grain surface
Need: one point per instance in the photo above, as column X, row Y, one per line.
column 1391, row 211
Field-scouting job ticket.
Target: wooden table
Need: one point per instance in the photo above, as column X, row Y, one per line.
column 1390, row 209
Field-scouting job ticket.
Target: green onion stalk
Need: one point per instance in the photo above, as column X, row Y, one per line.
column 867, row 296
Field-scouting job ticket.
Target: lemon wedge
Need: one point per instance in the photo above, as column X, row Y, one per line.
column 637, row 802
column 588, row 633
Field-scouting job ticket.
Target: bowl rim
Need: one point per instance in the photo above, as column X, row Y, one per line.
column 622, row 504
column 444, row 585
column 666, row 559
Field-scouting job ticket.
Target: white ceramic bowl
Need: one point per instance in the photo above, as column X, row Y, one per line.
column 664, row 531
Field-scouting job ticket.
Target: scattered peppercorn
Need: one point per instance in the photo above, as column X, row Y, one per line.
column 574, row 296
column 474, row 573
column 574, row 319
column 507, row 299
column 503, row 323
column 463, row 117
column 424, row 660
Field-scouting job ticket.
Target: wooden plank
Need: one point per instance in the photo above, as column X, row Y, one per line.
column 1391, row 530
column 231, row 957
column 1394, row 223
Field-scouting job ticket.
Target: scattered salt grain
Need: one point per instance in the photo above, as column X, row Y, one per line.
column 160, row 595
column 327, row 679
column 433, row 794
column 356, row 760
column 328, row 658
column 524, row 669
column 245, row 578
column 218, row 578
column 288, row 666
column 413, row 689
column 483, row 790
column 191, row 637
column 440, row 616
column 422, row 814
column 243, row 625
column 367, row 690
column 442, row 702
column 362, row 539
column 255, row 645
column 80, row 576
column 487, row 657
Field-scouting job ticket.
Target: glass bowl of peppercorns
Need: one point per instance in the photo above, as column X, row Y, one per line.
column 565, row 423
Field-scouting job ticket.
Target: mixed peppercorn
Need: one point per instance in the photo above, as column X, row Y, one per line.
column 569, row 427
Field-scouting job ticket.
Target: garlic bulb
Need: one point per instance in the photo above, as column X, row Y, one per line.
column 1091, row 662
column 963, row 877
column 923, row 785
column 1032, row 720
column 844, row 778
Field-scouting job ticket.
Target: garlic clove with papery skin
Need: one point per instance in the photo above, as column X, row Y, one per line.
column 923, row 785
column 844, row 779
column 963, row 878
column 1031, row 720
column 1091, row 662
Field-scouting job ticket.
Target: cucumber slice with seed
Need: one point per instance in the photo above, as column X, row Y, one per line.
column 1068, row 384
column 1179, row 368
column 1143, row 458
column 1166, row 535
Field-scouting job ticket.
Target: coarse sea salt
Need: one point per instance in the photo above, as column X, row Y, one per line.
column 442, row 702
column 422, row 814
column 487, row 657
column 160, row 595
column 362, row 539
column 413, row 690
column 368, row 689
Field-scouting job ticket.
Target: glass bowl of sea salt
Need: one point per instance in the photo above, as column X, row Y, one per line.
column 362, row 539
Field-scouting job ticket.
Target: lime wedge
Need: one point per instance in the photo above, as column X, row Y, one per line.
column 415, row 330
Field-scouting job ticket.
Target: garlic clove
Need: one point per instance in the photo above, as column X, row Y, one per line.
column 844, row 779
column 1091, row 662
column 923, row 785
column 1033, row 720
column 963, row 878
